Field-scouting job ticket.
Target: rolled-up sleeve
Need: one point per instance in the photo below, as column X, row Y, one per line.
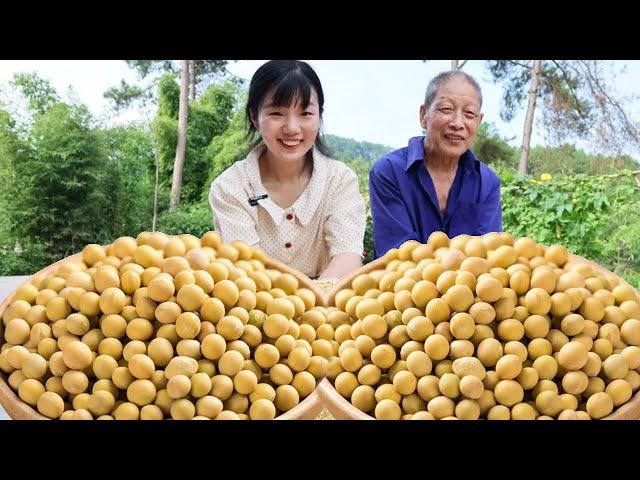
column 345, row 226
column 230, row 218
column 391, row 222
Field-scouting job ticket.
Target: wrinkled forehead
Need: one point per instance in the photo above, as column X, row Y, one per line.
column 459, row 90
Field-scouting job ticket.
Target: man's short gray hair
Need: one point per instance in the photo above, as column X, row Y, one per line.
column 442, row 78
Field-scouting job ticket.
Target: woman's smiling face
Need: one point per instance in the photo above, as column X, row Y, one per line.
column 289, row 132
column 452, row 119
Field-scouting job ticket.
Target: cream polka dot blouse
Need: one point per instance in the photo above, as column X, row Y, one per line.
column 326, row 220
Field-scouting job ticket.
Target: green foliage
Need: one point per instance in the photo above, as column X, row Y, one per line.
column 347, row 149
column 560, row 88
column 67, row 182
column 575, row 99
column 25, row 260
column 126, row 95
column 38, row 91
column 369, row 246
column 123, row 95
column 209, row 117
column 493, row 149
column 568, row 160
column 361, row 168
column 168, row 96
column 8, row 148
column 226, row 149
column 204, row 69
column 131, row 154
column 60, row 198
column 195, row 219
column 597, row 217
column 145, row 67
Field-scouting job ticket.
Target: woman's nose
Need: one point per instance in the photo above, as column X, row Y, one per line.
column 291, row 124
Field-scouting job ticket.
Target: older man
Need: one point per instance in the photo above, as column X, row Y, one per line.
column 436, row 182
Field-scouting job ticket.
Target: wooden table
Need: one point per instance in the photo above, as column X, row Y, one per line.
column 8, row 285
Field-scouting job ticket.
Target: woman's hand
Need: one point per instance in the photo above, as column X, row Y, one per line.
column 341, row 265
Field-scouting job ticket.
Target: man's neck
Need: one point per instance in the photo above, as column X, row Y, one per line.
column 441, row 164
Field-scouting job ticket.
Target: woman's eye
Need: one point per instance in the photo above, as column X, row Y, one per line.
column 307, row 114
column 275, row 114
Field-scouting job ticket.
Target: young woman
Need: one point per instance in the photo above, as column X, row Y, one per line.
column 288, row 197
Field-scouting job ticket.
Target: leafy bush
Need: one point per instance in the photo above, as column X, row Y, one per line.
column 597, row 217
column 27, row 260
column 194, row 219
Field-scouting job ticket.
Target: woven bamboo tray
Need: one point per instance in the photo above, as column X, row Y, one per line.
column 325, row 403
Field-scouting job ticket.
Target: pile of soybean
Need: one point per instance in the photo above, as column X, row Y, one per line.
column 163, row 326
column 487, row 327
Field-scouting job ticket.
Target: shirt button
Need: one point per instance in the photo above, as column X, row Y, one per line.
column 289, row 216
column 287, row 245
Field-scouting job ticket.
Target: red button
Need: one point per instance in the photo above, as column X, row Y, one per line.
column 289, row 216
column 287, row 245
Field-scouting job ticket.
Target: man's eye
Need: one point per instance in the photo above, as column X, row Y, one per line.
column 446, row 110
column 471, row 114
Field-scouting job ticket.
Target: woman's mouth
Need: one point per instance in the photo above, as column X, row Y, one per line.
column 290, row 144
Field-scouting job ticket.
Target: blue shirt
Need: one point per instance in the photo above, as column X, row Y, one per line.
column 404, row 204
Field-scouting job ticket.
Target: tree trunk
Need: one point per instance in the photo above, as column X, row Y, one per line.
column 155, row 192
column 528, row 123
column 183, row 112
column 454, row 64
column 192, row 77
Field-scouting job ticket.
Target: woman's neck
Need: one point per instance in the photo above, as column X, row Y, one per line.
column 271, row 168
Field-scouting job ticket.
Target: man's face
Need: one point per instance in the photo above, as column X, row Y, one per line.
column 452, row 120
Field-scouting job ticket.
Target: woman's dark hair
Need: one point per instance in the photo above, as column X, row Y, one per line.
column 290, row 80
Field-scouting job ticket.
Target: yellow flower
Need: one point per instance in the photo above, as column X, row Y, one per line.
column 533, row 180
column 545, row 177
column 575, row 200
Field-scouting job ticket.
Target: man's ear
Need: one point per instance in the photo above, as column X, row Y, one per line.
column 480, row 117
column 423, row 117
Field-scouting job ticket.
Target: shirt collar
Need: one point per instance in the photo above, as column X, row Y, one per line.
column 415, row 154
column 306, row 205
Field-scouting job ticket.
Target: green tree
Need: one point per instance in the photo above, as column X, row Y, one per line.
column 226, row 149
column 566, row 159
column 210, row 116
column 575, row 98
column 60, row 196
column 183, row 116
column 125, row 95
column 131, row 152
column 492, row 149
column 347, row 148
column 39, row 92
column 8, row 149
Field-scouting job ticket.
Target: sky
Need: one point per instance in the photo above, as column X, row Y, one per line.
column 367, row 100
